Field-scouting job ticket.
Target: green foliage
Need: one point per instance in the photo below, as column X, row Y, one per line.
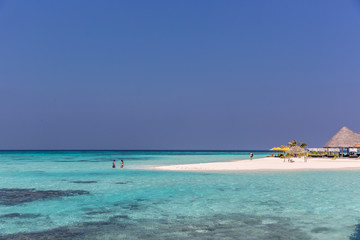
column 294, row 143
column 302, row 145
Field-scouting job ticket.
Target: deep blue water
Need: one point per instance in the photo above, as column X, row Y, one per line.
column 77, row 195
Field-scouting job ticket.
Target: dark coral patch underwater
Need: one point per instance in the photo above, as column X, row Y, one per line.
column 234, row 226
column 14, row 196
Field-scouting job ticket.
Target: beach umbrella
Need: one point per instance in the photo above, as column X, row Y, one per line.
column 279, row 149
column 357, row 146
column 284, row 149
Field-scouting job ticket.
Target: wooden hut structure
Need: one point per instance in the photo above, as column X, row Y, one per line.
column 345, row 138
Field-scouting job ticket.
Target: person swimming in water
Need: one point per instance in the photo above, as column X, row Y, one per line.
column 114, row 164
column 122, row 164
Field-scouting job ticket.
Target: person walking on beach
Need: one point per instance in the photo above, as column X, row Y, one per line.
column 114, row 164
column 122, row 164
column 251, row 156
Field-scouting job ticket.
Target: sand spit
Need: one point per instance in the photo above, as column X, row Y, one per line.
column 268, row 164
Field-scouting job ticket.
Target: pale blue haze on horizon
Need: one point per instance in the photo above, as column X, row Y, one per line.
column 177, row 74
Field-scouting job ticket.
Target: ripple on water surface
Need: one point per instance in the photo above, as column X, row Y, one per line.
column 78, row 196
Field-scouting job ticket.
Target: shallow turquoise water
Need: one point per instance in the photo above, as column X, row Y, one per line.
column 133, row 203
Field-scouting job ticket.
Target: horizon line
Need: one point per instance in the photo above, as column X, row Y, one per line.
column 208, row 150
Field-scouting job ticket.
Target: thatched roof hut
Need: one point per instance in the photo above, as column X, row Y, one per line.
column 345, row 138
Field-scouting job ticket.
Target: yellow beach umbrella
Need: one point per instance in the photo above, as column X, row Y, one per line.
column 275, row 149
column 356, row 146
column 283, row 149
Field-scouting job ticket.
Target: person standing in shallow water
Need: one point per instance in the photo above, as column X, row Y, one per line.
column 114, row 164
column 122, row 164
column 251, row 156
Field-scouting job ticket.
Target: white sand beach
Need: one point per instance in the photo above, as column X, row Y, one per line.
column 268, row 164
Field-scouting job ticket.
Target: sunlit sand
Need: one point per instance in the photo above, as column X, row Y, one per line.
column 269, row 164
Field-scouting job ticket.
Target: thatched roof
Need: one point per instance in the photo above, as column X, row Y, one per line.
column 344, row 138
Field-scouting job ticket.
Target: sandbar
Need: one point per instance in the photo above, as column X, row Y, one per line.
column 268, row 164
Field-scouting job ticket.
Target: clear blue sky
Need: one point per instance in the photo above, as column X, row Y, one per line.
column 177, row 74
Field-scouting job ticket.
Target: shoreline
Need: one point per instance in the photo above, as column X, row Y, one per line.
column 266, row 164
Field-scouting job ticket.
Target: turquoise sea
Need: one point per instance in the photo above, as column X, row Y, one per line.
column 77, row 195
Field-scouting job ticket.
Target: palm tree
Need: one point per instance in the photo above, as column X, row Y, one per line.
column 294, row 143
column 303, row 145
